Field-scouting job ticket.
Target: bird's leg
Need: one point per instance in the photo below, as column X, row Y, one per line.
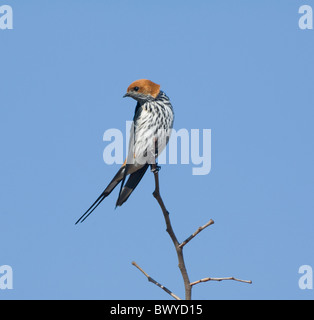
column 155, row 167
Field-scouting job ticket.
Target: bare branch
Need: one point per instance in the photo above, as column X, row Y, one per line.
column 179, row 250
column 209, row 223
column 220, row 279
column 179, row 247
column 150, row 279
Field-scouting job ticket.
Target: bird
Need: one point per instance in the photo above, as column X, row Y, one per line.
column 150, row 132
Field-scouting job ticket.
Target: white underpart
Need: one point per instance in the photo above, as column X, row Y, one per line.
column 153, row 120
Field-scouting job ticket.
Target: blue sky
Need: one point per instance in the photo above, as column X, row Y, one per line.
column 243, row 69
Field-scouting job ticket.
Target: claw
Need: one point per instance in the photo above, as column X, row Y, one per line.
column 156, row 169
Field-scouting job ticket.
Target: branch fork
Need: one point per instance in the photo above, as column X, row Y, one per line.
column 179, row 247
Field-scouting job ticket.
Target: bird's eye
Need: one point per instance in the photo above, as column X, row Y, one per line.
column 136, row 88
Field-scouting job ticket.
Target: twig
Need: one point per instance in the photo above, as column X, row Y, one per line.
column 179, row 250
column 179, row 247
column 209, row 223
column 150, row 279
column 220, row 279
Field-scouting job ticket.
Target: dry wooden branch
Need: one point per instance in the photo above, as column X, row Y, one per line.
column 209, row 223
column 179, row 250
column 220, row 279
column 150, row 279
column 181, row 265
column 179, row 247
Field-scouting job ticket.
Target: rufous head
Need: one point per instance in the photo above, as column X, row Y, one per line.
column 143, row 90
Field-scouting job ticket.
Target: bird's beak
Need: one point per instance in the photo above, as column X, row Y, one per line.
column 126, row 95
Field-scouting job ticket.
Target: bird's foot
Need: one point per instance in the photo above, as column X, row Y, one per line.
column 155, row 168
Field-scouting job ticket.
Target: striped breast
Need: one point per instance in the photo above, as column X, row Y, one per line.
column 153, row 121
